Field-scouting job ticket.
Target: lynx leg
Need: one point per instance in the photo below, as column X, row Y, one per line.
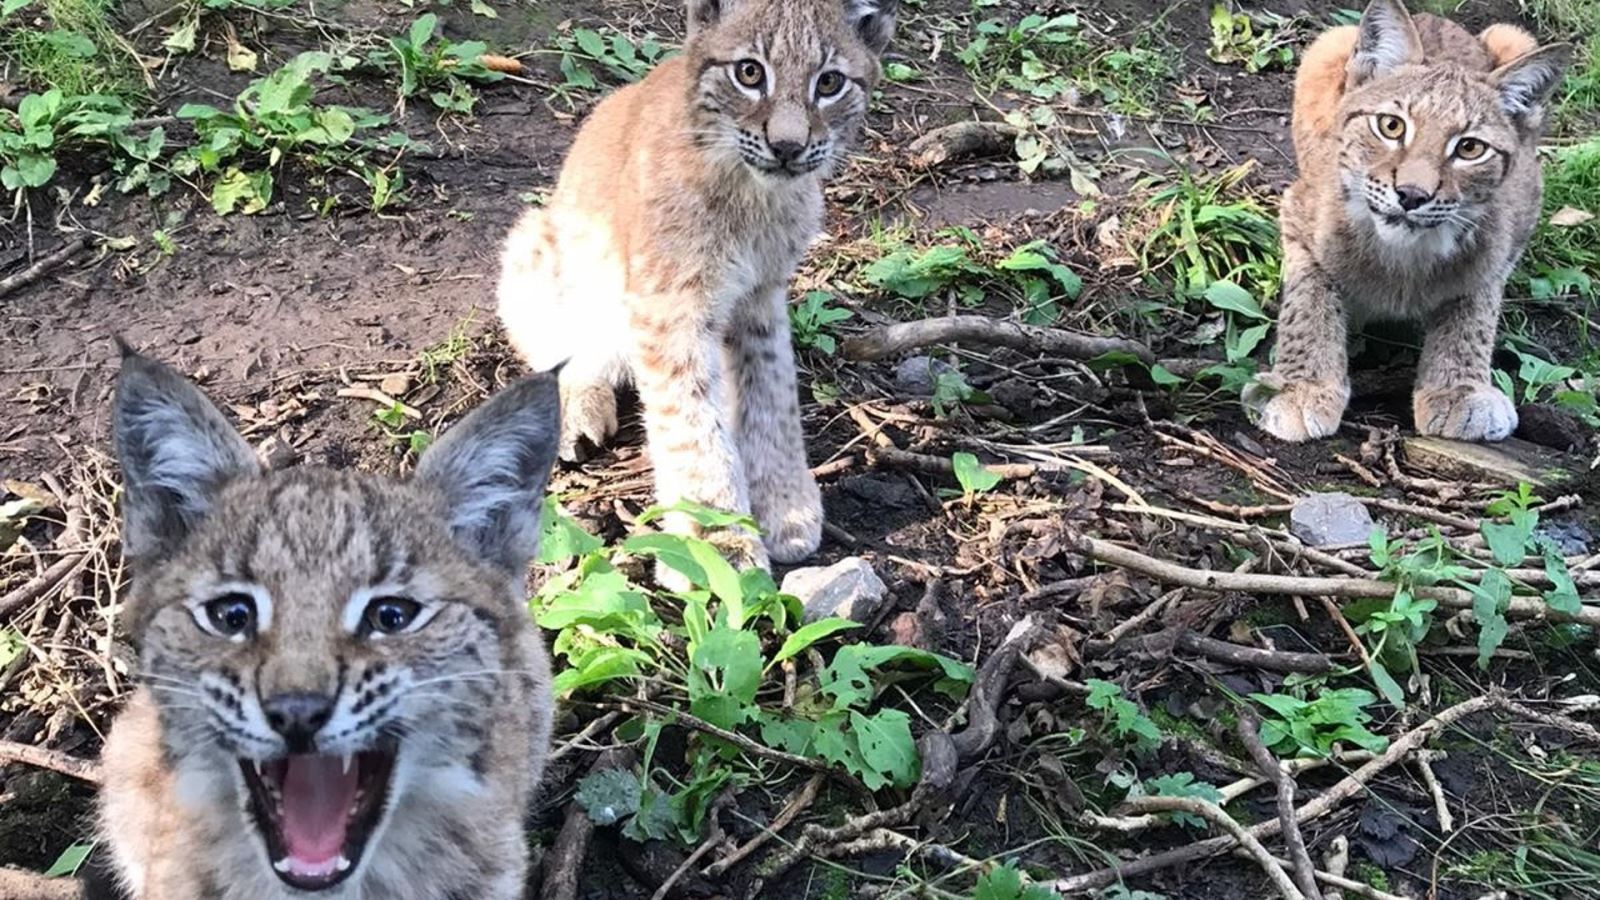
column 783, row 495
column 1304, row 396
column 678, row 369
column 1455, row 397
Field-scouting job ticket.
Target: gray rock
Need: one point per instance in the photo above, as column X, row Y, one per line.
column 915, row 375
column 1323, row 519
column 848, row 589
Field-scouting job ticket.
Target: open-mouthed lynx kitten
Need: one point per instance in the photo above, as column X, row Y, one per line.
column 665, row 253
column 342, row 691
column 1419, row 187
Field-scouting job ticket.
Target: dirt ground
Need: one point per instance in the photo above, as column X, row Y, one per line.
column 279, row 313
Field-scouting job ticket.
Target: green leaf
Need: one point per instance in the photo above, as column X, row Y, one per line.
column 590, row 42
column 30, row 170
column 182, row 38
column 1509, row 543
column 561, row 538
column 808, row 635
column 610, row 795
column 422, row 30
column 7, row 7
column 1161, row 376
column 1563, row 595
column 1005, row 883
column 480, row 8
column 1387, row 686
column 724, row 677
column 70, row 860
column 887, row 746
column 1491, row 597
column 846, row 678
column 1226, row 295
column 974, row 478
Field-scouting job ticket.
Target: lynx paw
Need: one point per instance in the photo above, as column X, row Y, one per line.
column 1296, row 411
column 1465, row 412
column 790, row 517
column 588, row 412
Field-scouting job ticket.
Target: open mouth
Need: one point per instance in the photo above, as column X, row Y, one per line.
column 316, row 812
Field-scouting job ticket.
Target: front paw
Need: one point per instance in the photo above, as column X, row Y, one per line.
column 790, row 516
column 1296, row 411
column 588, row 413
column 1464, row 412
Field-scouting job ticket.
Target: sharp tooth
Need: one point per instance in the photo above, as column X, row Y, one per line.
column 342, row 864
column 281, row 865
column 349, row 759
column 260, row 772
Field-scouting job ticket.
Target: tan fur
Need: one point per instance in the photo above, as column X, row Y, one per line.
column 1384, row 228
column 463, row 699
column 665, row 254
column 1506, row 42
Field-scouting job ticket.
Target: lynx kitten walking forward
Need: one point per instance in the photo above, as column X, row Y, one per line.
column 341, row 688
column 1419, row 187
column 664, row 256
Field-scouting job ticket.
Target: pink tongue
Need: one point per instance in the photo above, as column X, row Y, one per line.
column 317, row 795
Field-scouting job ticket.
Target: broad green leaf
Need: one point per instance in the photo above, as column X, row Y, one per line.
column 561, row 538
column 1509, row 542
column 182, row 38
column 724, row 677
column 1387, row 686
column 422, row 30
column 1226, row 295
column 974, row 478
column 248, row 192
column 590, row 42
column 1563, row 595
column 887, row 745
column 1491, row 597
column 808, row 635
column 70, row 860
column 610, row 795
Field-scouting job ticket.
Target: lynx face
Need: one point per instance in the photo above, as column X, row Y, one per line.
column 1424, row 148
column 326, row 646
column 783, row 85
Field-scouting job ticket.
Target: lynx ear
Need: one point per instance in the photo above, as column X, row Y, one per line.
column 874, row 21
column 1387, row 40
column 492, row 467
column 1526, row 82
column 1505, row 42
column 705, row 13
column 176, row 450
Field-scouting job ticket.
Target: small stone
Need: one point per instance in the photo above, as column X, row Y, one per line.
column 276, row 452
column 395, row 385
column 848, row 589
column 1324, row 519
column 917, row 375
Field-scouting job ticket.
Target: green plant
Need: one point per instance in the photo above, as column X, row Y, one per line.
column 588, row 56
column 74, row 46
column 1031, row 277
column 1122, row 717
column 1049, row 57
column 275, row 119
column 811, row 319
column 45, row 126
column 951, row 392
column 1299, row 727
column 1006, row 882
column 1180, row 784
column 1257, row 42
column 708, row 652
column 972, row 476
column 437, row 67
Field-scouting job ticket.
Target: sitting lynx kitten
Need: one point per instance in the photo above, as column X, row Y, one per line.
column 342, row 691
column 1419, row 187
column 664, row 255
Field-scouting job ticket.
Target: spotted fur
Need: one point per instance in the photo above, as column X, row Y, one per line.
column 665, row 254
column 466, row 693
column 1411, row 224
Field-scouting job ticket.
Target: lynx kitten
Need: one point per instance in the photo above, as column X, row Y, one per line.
column 664, row 255
column 342, row 691
column 1419, row 187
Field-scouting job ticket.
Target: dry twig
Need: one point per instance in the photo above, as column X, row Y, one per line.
column 902, row 336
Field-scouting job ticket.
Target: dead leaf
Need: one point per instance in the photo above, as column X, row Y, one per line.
column 1568, row 217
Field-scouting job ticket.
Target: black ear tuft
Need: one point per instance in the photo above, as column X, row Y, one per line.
column 1388, row 40
column 176, row 450
column 874, row 21
column 492, row 467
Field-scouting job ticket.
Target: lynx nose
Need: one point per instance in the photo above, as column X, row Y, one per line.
column 1412, row 197
column 298, row 716
column 787, row 152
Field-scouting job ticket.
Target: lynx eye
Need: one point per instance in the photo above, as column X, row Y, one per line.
column 231, row 615
column 390, row 615
column 1389, row 127
column 1471, row 149
column 829, row 84
column 749, row 73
